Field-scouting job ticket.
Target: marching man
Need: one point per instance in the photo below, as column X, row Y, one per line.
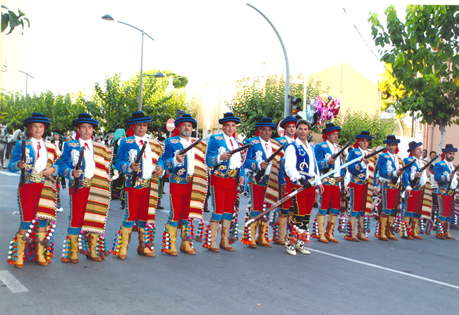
column 224, row 179
column 142, row 191
column 89, row 188
column 301, row 166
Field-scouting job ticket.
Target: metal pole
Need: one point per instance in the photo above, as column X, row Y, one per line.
column 27, row 83
column 287, row 79
column 141, row 74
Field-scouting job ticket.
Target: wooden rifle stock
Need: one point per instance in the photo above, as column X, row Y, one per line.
column 78, row 167
column 240, row 148
column 395, row 179
column 184, row 151
column 261, row 173
column 137, row 161
column 415, row 181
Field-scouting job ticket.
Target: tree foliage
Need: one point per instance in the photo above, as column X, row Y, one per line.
column 352, row 123
column 11, row 19
column 264, row 97
column 424, row 54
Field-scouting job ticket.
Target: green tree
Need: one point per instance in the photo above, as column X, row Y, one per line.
column 114, row 104
column 11, row 19
column 424, row 54
column 352, row 123
column 264, row 97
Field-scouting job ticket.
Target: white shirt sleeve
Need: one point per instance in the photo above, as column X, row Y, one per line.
column 290, row 164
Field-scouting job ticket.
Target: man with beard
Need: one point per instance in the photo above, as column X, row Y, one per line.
column 142, row 194
column 444, row 175
column 389, row 166
column 414, row 195
column 301, row 166
column 188, row 176
column 89, row 189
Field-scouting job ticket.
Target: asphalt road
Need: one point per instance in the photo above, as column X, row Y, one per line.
column 404, row 277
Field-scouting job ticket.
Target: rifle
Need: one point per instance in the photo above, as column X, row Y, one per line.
column 261, row 173
column 415, row 181
column 182, row 152
column 78, row 167
column 395, row 179
column 240, row 148
column 137, row 161
column 334, row 156
column 23, row 160
column 313, row 182
column 451, row 179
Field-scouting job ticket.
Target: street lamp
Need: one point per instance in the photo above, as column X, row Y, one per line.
column 27, row 80
column 108, row 17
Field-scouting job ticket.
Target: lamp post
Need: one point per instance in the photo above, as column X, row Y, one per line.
column 108, row 17
column 27, row 80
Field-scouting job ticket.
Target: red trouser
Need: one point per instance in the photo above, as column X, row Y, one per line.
column 257, row 196
column 446, row 205
column 304, row 201
column 358, row 199
column 78, row 207
column 414, row 202
column 138, row 202
column 224, row 196
column 288, row 190
column 180, row 201
column 331, row 197
column 29, row 196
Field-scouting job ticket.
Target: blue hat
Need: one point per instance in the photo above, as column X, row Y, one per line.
column 85, row 118
column 391, row 139
column 266, row 122
column 186, row 118
column 413, row 145
column 364, row 135
column 449, row 148
column 288, row 119
column 330, row 127
column 138, row 117
column 37, row 118
column 229, row 117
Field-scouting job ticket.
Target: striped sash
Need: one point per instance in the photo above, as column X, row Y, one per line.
column 47, row 203
column 95, row 216
column 272, row 190
column 156, row 150
column 426, row 211
column 199, row 187
column 371, row 183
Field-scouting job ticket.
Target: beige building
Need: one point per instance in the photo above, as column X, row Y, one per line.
column 431, row 137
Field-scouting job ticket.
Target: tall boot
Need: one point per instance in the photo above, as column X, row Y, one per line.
column 41, row 260
column 441, row 232
column 361, row 232
column 21, row 248
column 415, row 228
column 142, row 249
column 75, row 249
column 390, row 222
column 253, row 232
column 125, row 238
column 382, row 223
column 173, row 234
column 331, row 229
column 289, row 243
column 300, row 244
column 446, row 228
column 186, row 246
column 93, row 238
column 262, row 227
column 407, row 220
column 224, row 243
column 282, row 219
column 214, row 227
column 321, row 223
column 353, row 237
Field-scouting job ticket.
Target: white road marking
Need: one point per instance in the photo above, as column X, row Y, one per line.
column 11, row 282
column 8, row 173
column 386, row 269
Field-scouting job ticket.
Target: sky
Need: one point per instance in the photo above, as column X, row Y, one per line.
column 68, row 46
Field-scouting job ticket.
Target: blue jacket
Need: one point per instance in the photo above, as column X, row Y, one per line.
column 220, row 169
column 179, row 172
column 441, row 174
column 251, row 163
column 358, row 172
column 386, row 166
column 406, row 177
column 30, row 159
column 323, row 153
column 128, row 150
